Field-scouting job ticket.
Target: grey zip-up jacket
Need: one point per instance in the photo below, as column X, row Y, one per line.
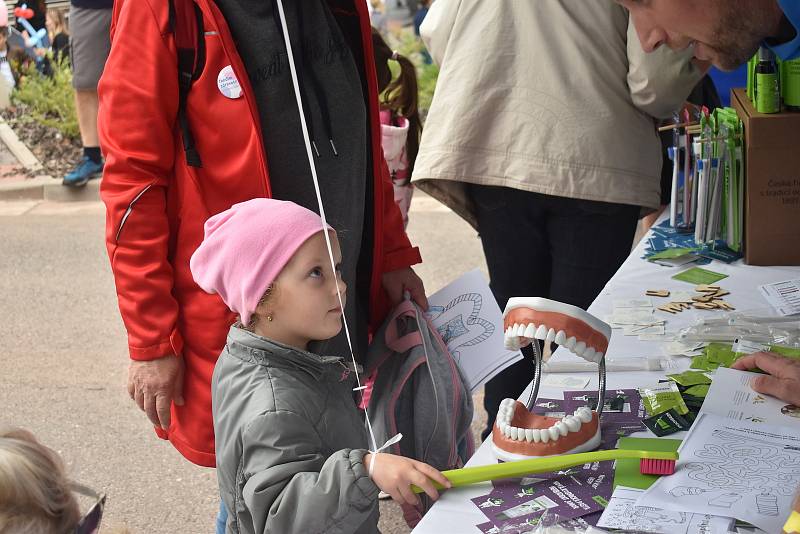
column 290, row 442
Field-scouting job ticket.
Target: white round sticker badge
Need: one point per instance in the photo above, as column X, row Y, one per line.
column 227, row 83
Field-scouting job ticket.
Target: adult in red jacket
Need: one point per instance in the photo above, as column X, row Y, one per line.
column 242, row 113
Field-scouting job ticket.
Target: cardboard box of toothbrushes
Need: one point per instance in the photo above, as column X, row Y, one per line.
column 772, row 184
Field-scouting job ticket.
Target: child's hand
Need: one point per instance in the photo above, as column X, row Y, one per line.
column 395, row 474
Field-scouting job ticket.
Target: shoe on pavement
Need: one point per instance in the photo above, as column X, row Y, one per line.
column 83, row 172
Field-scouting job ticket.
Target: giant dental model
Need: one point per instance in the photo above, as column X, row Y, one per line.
column 519, row 434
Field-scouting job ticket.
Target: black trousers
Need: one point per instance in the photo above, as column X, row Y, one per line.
column 546, row 246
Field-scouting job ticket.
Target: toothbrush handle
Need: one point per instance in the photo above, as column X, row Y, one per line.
column 483, row 473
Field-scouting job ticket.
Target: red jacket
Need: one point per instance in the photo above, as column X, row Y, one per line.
column 157, row 204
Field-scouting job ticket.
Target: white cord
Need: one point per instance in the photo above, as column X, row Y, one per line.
column 307, row 139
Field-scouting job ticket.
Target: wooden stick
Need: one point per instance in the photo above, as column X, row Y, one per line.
column 679, row 125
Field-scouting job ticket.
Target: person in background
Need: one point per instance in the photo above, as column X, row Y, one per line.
column 726, row 34
column 7, row 81
column 419, row 18
column 59, row 42
column 39, row 18
column 58, row 32
column 35, row 494
column 90, row 23
column 542, row 136
column 401, row 126
column 249, row 141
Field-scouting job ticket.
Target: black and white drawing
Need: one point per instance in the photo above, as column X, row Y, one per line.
column 460, row 324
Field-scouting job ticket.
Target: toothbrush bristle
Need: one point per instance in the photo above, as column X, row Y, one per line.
column 656, row 467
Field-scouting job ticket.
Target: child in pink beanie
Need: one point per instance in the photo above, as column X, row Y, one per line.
column 290, row 442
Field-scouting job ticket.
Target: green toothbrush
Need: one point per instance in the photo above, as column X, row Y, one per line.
column 652, row 463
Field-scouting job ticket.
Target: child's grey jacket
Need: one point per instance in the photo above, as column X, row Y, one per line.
column 290, row 442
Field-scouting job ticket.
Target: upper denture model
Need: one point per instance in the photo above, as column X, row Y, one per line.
column 519, row 434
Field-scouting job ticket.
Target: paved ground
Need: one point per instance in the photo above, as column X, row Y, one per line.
column 63, row 360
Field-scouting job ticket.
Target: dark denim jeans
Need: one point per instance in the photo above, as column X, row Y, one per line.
column 546, row 246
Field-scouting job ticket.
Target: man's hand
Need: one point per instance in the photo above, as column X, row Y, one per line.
column 783, row 380
column 396, row 282
column 395, row 474
column 154, row 385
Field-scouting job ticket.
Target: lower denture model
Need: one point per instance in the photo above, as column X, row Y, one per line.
column 519, row 434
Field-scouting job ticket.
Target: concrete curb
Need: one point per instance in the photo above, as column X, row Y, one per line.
column 46, row 188
column 42, row 186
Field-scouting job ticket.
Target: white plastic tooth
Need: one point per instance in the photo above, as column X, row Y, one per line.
column 510, row 344
column 561, row 337
column 529, row 435
column 562, row 428
column 551, row 335
column 598, row 356
column 530, row 330
column 515, row 433
column 521, row 330
column 570, row 344
column 507, row 430
column 541, row 332
column 514, row 329
column 572, row 423
column 537, row 435
column 589, row 353
column 508, row 331
column 545, row 434
column 554, row 433
column 579, row 348
column 584, row 413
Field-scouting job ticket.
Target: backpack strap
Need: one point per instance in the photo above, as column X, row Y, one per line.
column 186, row 24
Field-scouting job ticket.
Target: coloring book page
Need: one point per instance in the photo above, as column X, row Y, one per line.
column 622, row 513
column 470, row 322
column 748, row 471
column 732, row 397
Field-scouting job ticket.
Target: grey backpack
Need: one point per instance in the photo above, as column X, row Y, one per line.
column 417, row 390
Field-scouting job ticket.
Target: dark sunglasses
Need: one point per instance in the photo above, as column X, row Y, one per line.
column 90, row 522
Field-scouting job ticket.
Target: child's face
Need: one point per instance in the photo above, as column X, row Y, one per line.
column 304, row 305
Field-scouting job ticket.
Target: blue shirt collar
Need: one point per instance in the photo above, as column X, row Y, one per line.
column 791, row 49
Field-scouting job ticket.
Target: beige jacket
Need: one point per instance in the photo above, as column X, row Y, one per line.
column 550, row 96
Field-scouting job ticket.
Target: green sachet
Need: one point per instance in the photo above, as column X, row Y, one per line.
column 700, row 390
column 702, row 362
column 662, row 397
column 789, row 352
column 721, row 353
column 690, row 378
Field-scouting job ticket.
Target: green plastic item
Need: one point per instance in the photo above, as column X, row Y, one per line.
column 662, row 397
column 484, row 473
column 700, row 390
column 789, row 352
column 690, row 378
column 702, row 362
column 627, row 472
column 671, row 253
column 791, row 84
column 696, row 275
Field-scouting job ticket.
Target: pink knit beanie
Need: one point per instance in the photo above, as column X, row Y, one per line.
column 246, row 247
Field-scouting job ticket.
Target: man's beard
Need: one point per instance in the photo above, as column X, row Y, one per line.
column 736, row 37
